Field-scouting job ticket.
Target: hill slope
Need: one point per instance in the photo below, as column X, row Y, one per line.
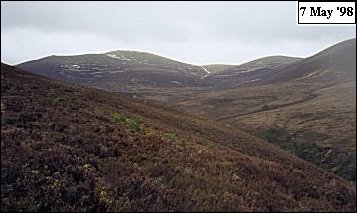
column 251, row 72
column 337, row 62
column 67, row 147
column 309, row 106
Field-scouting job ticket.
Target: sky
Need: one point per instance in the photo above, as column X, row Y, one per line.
column 192, row 32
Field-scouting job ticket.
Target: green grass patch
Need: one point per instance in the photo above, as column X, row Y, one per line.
column 169, row 136
column 150, row 131
column 133, row 124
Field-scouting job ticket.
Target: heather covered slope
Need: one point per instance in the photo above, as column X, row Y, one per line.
column 67, row 147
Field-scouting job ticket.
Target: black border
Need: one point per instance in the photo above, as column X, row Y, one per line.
column 323, row 2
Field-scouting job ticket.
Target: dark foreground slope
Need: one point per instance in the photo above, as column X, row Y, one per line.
column 67, row 147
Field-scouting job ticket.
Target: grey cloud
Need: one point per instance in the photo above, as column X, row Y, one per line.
column 203, row 31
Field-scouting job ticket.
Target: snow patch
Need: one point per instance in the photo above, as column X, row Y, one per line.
column 113, row 56
column 125, row 59
column 72, row 67
column 257, row 79
column 311, row 74
column 175, row 82
column 121, row 57
column 205, row 70
column 227, row 75
column 94, row 73
column 247, row 71
column 115, row 71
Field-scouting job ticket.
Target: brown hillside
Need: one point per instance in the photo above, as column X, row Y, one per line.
column 70, row 148
column 307, row 107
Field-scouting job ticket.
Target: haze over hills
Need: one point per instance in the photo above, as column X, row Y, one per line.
column 306, row 106
column 69, row 147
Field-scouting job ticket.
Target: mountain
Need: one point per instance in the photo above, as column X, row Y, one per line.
column 149, row 76
column 307, row 107
column 119, row 71
column 69, row 147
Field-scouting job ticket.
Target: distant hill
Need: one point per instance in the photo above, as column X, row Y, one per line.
column 269, row 61
column 119, row 71
column 253, row 71
column 71, row 148
column 150, row 76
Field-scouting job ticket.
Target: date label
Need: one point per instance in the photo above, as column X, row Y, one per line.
column 326, row 12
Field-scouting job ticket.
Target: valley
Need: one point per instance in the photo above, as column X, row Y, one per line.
column 311, row 100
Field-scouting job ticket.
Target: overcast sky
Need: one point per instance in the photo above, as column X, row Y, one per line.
column 192, row 32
